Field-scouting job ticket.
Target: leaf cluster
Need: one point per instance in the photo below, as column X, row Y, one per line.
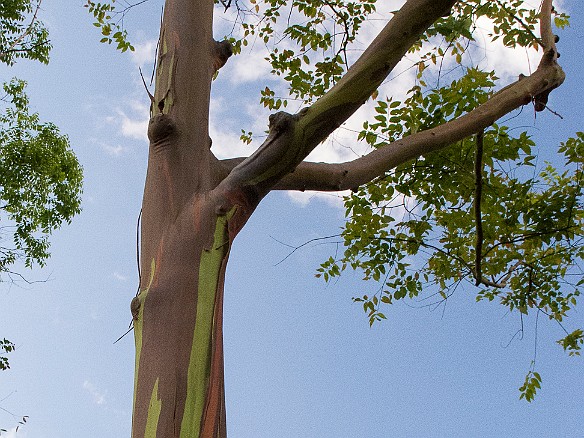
column 22, row 35
column 415, row 232
column 5, row 347
column 307, row 42
column 530, row 386
column 40, row 180
column 110, row 22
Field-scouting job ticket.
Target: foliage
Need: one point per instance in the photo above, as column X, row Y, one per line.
column 21, row 34
column 309, row 52
column 530, row 386
column 40, row 179
column 111, row 23
column 573, row 342
column 416, row 229
column 5, row 347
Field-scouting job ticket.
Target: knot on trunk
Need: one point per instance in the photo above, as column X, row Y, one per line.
column 540, row 101
column 281, row 122
column 160, row 128
column 549, row 59
column 135, row 307
column 222, row 53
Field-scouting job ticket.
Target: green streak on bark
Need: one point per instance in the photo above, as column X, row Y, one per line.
column 200, row 361
column 167, row 98
column 138, row 324
column 153, row 413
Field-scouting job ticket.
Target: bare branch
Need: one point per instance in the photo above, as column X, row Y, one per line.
column 548, row 38
column 550, row 52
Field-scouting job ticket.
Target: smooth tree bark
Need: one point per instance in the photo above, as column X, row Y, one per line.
column 194, row 204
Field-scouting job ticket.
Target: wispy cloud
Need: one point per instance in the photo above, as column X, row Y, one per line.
column 110, row 149
column 334, row 199
column 115, row 151
column 97, row 395
column 143, row 53
column 120, row 277
column 14, row 433
column 133, row 121
column 493, row 55
column 225, row 137
column 249, row 67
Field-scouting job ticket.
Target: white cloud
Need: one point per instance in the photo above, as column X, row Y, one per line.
column 249, row 67
column 493, row 55
column 134, row 125
column 110, row 149
column 334, row 199
column 225, row 135
column 115, row 151
column 129, row 119
column 120, row 277
column 97, row 395
column 143, row 53
column 17, row 432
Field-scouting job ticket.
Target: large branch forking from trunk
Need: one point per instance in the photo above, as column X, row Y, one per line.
column 287, row 146
column 346, row 176
column 349, row 175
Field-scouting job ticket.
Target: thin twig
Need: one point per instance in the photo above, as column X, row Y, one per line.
column 477, row 207
column 129, row 330
column 296, row 248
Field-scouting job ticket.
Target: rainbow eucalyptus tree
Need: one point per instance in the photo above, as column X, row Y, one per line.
column 441, row 147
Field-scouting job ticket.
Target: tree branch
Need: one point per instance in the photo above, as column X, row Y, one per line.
column 290, row 142
column 221, row 53
column 350, row 175
column 551, row 54
column 548, row 38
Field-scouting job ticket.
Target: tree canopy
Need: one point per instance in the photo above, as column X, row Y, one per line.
column 40, row 177
column 449, row 195
column 23, row 34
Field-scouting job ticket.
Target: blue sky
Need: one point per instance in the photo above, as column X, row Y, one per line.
column 301, row 360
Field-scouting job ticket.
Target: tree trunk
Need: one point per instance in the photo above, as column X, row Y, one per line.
column 187, row 230
column 178, row 325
